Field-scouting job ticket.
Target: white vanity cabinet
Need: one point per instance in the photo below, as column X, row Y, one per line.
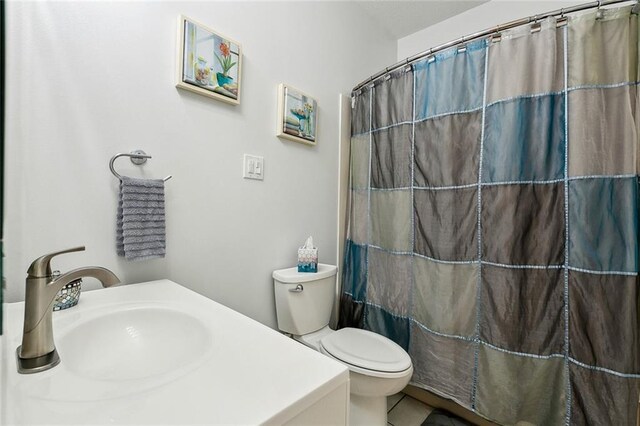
column 158, row 353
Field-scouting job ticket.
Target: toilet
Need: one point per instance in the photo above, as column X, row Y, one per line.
column 378, row 367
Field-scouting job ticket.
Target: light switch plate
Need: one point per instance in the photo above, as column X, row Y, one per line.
column 253, row 167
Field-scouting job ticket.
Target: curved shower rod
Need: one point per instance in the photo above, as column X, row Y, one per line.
column 494, row 30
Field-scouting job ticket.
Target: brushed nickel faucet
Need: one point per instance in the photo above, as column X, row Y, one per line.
column 38, row 352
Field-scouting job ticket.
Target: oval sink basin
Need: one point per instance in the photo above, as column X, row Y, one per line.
column 134, row 343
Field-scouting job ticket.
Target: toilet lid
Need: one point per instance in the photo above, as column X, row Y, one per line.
column 365, row 349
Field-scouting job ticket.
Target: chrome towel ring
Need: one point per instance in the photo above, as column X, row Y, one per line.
column 137, row 157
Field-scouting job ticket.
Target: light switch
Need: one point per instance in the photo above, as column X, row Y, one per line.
column 253, row 167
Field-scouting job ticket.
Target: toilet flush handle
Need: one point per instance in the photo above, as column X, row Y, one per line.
column 298, row 289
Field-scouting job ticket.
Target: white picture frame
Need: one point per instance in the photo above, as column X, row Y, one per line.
column 297, row 115
column 208, row 63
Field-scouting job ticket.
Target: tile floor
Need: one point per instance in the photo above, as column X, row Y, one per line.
column 406, row 411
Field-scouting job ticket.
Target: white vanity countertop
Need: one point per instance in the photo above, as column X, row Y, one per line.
column 247, row 374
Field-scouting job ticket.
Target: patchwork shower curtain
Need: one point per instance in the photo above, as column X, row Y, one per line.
column 493, row 228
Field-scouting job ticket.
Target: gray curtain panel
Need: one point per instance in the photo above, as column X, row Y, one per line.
column 493, row 224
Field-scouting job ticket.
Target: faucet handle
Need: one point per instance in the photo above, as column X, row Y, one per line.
column 41, row 267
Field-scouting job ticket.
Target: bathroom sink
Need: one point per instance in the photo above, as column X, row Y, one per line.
column 158, row 353
column 134, row 342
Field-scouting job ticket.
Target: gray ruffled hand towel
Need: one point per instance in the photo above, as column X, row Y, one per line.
column 140, row 231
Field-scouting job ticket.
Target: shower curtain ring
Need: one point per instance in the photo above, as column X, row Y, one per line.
column 461, row 46
column 562, row 20
column 407, row 67
column 536, row 25
column 599, row 12
column 430, row 57
column 496, row 36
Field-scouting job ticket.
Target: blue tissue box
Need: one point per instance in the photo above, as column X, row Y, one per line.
column 307, row 260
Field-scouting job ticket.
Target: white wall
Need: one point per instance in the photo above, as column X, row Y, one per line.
column 89, row 79
column 479, row 18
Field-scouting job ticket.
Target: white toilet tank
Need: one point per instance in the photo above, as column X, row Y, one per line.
column 307, row 308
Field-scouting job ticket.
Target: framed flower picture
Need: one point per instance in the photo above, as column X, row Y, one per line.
column 297, row 115
column 208, row 63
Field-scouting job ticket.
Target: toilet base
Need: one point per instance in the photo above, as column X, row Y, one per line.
column 368, row 388
column 368, row 410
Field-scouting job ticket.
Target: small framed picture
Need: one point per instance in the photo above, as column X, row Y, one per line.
column 208, row 63
column 297, row 115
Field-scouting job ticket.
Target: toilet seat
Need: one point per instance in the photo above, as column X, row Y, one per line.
column 366, row 352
